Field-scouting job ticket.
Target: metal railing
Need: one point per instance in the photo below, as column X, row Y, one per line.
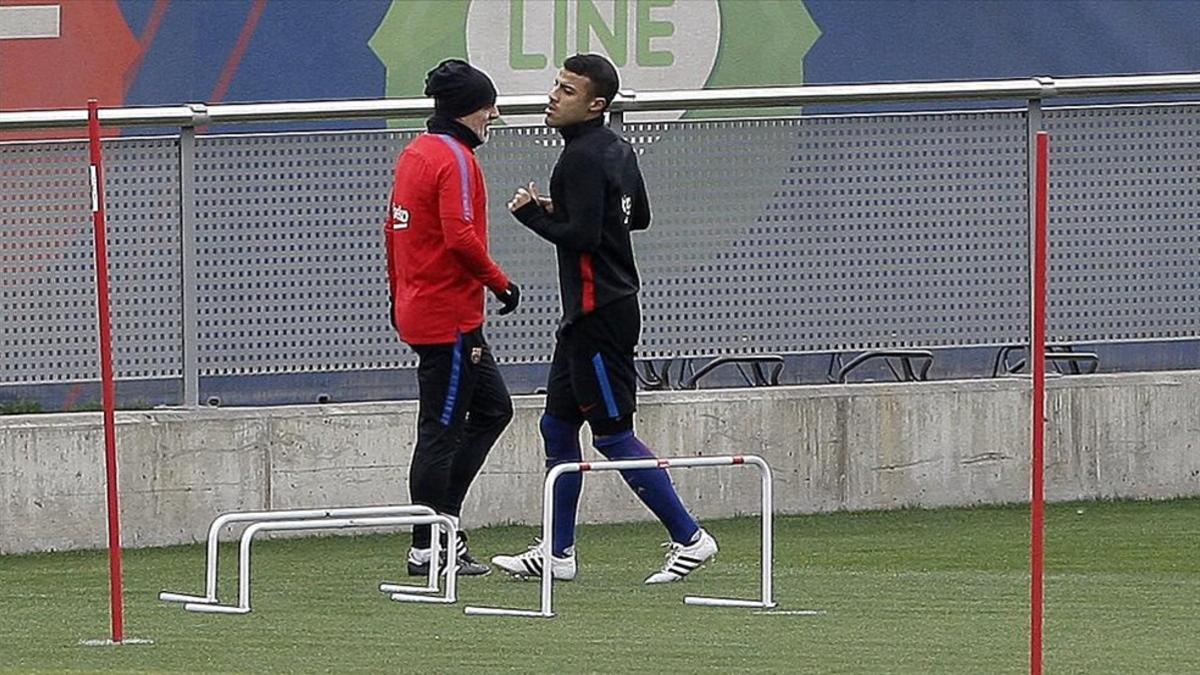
column 1040, row 88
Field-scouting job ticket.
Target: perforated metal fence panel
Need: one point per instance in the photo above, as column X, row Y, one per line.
column 289, row 255
column 836, row 233
column 1124, row 223
column 784, row 236
column 47, row 273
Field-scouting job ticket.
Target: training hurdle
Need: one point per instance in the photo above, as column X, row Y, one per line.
column 313, row 515
column 766, row 601
column 243, row 606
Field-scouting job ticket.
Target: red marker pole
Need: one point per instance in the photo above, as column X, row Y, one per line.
column 108, row 388
column 1037, row 360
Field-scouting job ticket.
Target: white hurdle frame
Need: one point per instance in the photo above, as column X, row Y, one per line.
column 224, row 519
column 243, row 606
column 766, row 600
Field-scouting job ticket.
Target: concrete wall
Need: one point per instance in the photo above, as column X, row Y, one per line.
column 863, row 446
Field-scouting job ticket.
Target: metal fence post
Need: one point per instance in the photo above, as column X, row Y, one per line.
column 616, row 116
column 1033, row 124
column 189, row 329
column 616, row 121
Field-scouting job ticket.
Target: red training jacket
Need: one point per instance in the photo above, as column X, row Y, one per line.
column 437, row 242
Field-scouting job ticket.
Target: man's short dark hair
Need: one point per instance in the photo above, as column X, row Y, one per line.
column 599, row 71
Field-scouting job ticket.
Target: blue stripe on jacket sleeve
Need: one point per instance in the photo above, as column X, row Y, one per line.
column 464, row 176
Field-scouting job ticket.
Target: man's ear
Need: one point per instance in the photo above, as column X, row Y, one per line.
column 597, row 105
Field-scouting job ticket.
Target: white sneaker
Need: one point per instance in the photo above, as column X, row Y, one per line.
column 529, row 564
column 683, row 559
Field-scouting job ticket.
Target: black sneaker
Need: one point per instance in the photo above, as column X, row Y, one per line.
column 467, row 564
column 417, row 569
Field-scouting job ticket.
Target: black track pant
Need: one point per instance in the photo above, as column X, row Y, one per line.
column 464, row 406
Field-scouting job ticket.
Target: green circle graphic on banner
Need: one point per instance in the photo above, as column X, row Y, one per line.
column 656, row 44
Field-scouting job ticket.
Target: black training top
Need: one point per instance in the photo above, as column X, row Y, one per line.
column 599, row 198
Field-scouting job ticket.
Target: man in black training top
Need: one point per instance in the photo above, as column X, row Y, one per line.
column 597, row 198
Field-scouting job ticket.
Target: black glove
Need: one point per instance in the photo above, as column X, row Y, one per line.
column 510, row 298
column 392, row 312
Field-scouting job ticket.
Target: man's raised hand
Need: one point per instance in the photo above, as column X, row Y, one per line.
column 524, row 195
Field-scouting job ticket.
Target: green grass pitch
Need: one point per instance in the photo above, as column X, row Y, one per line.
column 943, row 591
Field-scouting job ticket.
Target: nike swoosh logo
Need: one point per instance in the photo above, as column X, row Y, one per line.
column 588, row 407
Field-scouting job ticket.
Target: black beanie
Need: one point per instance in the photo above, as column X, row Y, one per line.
column 458, row 88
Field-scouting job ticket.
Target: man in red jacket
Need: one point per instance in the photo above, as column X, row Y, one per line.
column 438, row 268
